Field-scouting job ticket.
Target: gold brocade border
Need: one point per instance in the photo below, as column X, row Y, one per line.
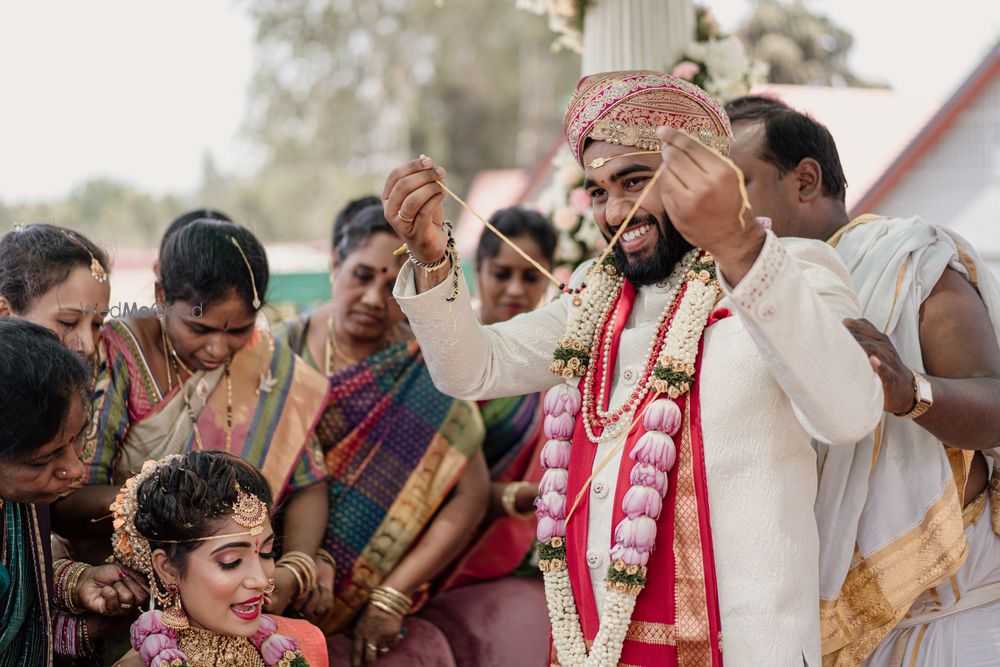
column 691, row 611
column 995, row 497
column 409, row 513
column 860, row 220
column 879, row 590
column 647, row 632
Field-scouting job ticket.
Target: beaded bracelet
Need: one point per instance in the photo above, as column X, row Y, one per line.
column 450, row 255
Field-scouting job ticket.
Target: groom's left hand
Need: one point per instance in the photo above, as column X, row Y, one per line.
column 701, row 195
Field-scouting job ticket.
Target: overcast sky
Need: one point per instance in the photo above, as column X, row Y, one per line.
column 140, row 90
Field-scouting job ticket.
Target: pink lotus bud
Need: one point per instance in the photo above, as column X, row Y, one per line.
column 555, row 454
column 169, row 657
column 686, row 70
column 548, row 528
column 559, row 427
column 149, row 623
column 266, row 627
column 554, row 479
column 551, row 504
column 655, row 448
column 639, row 533
column 563, row 399
column 662, row 415
column 642, row 501
column 154, row 645
column 629, row 555
column 644, row 474
column 274, row 647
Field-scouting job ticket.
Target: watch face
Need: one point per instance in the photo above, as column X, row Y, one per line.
column 924, row 390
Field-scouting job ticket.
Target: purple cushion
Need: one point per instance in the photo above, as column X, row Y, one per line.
column 496, row 624
column 423, row 646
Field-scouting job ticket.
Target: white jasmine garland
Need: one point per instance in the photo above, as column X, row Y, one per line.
column 654, row 455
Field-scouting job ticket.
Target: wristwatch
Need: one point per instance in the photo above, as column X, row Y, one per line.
column 922, row 394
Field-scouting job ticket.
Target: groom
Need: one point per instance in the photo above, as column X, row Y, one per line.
column 723, row 348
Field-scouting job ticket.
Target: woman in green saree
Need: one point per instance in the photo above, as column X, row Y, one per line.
column 197, row 373
column 44, row 395
column 408, row 481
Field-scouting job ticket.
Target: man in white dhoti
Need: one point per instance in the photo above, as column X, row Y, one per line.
column 892, row 539
column 683, row 463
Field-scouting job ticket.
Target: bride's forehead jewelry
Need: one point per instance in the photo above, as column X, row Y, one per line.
column 96, row 268
column 132, row 548
column 249, row 511
column 253, row 282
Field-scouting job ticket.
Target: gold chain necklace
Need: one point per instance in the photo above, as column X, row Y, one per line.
column 332, row 350
column 170, row 355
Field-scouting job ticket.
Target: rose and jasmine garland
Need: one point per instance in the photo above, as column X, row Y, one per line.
column 670, row 371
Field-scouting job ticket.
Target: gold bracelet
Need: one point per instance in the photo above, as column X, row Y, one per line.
column 298, row 577
column 325, row 555
column 509, row 500
column 301, row 564
column 378, row 604
column 393, row 598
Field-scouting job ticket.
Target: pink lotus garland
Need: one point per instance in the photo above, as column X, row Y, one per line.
column 157, row 644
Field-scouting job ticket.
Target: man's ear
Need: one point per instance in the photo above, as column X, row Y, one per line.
column 810, row 178
column 5, row 308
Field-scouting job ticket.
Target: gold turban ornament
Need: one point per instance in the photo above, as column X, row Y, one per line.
column 627, row 107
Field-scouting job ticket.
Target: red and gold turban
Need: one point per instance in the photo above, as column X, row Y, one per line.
column 626, row 108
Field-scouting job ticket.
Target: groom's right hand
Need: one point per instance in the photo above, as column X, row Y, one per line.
column 413, row 206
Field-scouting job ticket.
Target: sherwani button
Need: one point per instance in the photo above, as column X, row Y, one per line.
column 629, row 376
column 594, row 559
column 600, row 489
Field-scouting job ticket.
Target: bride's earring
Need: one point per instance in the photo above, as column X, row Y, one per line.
column 174, row 616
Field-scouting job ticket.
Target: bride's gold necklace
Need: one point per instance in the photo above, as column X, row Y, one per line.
column 170, row 355
column 208, row 649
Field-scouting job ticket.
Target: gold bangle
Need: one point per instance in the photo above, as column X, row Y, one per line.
column 509, row 500
column 325, row 555
column 392, row 597
column 378, row 604
column 298, row 577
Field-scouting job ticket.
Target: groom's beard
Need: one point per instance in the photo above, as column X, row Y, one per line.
column 657, row 266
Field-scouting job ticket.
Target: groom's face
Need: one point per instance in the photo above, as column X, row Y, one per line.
column 648, row 251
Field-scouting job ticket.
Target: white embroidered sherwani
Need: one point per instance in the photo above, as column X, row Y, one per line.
column 781, row 372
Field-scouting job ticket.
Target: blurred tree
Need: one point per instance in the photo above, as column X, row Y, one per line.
column 346, row 90
column 800, row 46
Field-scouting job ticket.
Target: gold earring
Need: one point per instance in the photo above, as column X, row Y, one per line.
column 174, row 616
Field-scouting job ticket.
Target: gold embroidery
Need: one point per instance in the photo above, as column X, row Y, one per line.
column 645, row 632
column 860, row 220
column 969, row 264
column 974, row 510
column 995, row 498
column 916, row 646
column 879, row 589
column 692, row 627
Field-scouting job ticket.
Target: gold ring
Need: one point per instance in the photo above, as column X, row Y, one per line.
column 400, row 216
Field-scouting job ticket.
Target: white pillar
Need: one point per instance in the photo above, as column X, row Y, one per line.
column 635, row 34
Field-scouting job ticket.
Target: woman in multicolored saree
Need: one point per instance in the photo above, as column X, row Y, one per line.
column 408, row 482
column 201, row 375
column 509, row 285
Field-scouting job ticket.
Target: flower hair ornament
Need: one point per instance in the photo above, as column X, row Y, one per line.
column 165, row 638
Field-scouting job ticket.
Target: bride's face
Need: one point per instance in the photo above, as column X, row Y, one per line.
column 222, row 587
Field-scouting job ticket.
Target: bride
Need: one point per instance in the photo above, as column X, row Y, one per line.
column 197, row 526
